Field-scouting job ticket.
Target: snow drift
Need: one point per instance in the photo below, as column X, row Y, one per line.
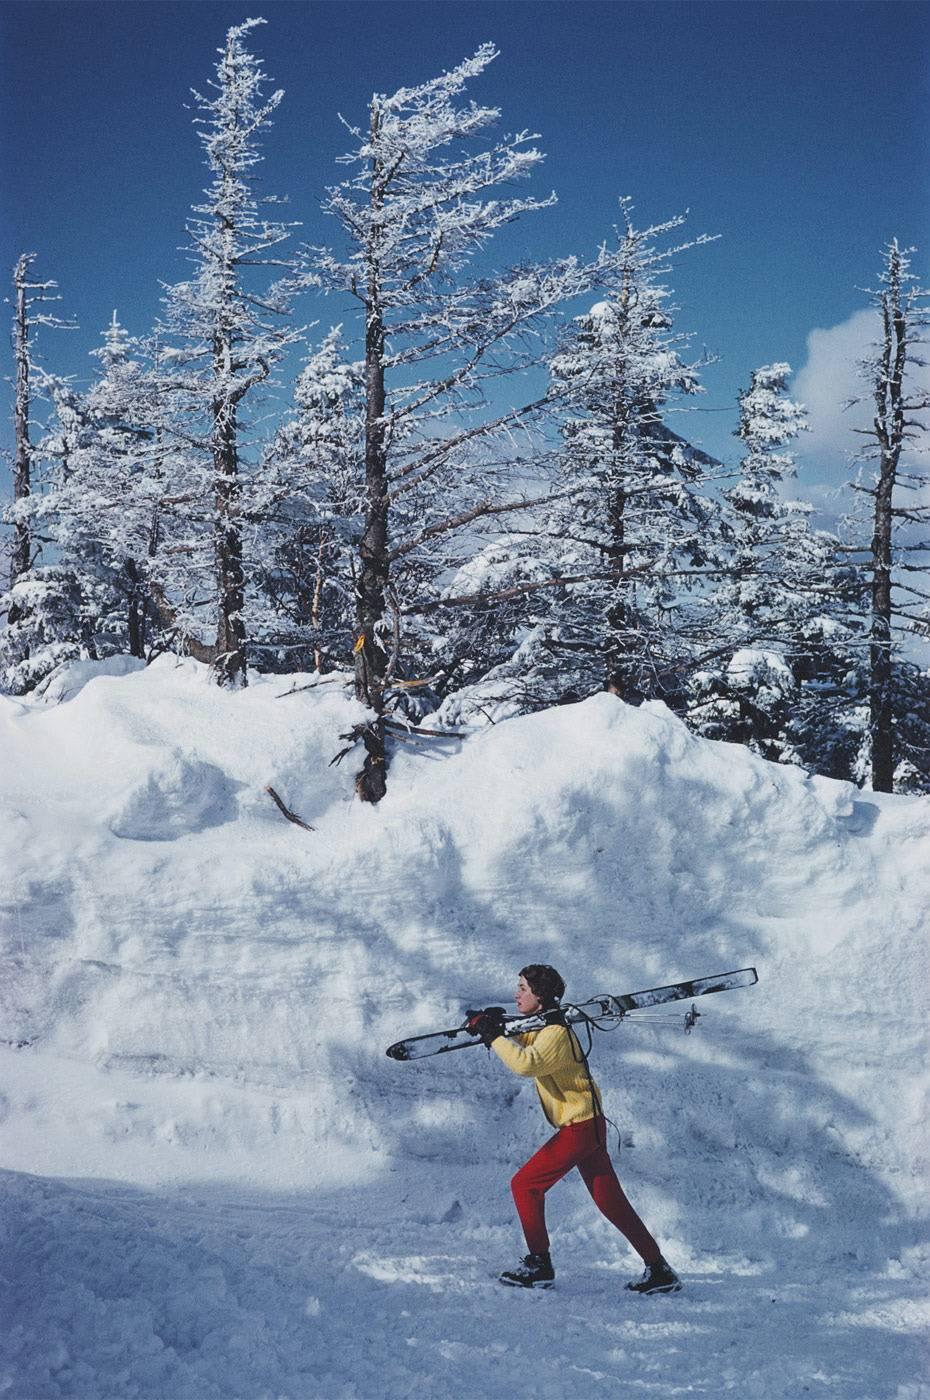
column 193, row 990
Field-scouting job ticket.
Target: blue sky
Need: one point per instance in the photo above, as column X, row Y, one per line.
column 798, row 132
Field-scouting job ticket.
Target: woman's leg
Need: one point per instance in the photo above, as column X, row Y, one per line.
column 547, row 1166
column 598, row 1174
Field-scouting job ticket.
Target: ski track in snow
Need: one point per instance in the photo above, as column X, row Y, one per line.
column 351, row 1295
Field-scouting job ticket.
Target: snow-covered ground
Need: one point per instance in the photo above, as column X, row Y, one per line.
column 387, row 1290
column 215, row 1182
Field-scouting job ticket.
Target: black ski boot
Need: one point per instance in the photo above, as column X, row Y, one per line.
column 536, row 1271
column 659, row 1277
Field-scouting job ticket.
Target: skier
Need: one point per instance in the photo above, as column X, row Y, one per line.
column 571, row 1102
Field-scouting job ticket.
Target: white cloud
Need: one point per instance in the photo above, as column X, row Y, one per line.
column 827, row 380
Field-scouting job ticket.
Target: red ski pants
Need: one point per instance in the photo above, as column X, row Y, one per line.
column 581, row 1145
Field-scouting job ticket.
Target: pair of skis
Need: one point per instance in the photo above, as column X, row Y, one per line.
column 601, row 1012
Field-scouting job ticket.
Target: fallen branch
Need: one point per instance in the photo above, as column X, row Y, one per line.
column 414, row 685
column 286, row 811
column 327, row 680
column 395, row 725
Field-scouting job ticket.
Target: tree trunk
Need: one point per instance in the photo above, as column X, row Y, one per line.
column 622, row 674
column 880, row 704
column 229, row 665
column 21, row 557
column 371, row 586
column 316, row 602
column 889, row 430
column 135, row 612
column 616, row 642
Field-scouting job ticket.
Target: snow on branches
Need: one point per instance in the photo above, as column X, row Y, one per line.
column 477, row 499
column 307, row 518
column 228, row 329
column 900, row 518
column 424, row 198
column 630, row 523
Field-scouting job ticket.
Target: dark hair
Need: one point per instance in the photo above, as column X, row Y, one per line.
column 544, row 982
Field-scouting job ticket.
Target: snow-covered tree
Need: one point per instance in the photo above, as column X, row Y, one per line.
column 113, row 515
column 105, row 504
column 74, row 605
column 896, row 560
column 23, row 628
column 485, row 660
column 774, row 584
column 631, row 524
column 768, row 421
column 427, row 192
column 309, row 523
column 42, row 607
column 228, row 331
column 55, row 622
column 28, row 299
column 63, row 609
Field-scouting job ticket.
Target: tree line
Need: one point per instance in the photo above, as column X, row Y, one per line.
column 461, row 551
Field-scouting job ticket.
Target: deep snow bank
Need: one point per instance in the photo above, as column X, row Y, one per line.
column 192, row 988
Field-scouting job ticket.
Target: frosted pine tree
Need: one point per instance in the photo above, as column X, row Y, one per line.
column 309, row 522
column 489, row 659
column 106, row 502
column 428, row 190
column 775, row 583
column 29, row 301
column 94, row 513
column 115, row 515
column 53, row 611
column 229, row 331
column 634, row 526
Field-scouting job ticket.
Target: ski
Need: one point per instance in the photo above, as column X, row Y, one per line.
column 599, row 1011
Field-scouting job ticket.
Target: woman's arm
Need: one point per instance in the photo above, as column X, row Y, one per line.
column 551, row 1050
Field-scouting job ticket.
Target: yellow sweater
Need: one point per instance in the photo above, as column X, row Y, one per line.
column 553, row 1058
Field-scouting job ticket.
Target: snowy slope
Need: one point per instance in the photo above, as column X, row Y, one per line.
column 195, row 996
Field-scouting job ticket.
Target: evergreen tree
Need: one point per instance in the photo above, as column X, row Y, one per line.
column 772, row 587
column 106, row 500
column 25, row 627
column 228, row 333
column 607, row 572
column 635, row 517
column 418, row 207
column 308, row 517
column 28, row 316
column 64, row 609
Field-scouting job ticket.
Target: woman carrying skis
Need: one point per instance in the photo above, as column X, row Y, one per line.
column 571, row 1102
